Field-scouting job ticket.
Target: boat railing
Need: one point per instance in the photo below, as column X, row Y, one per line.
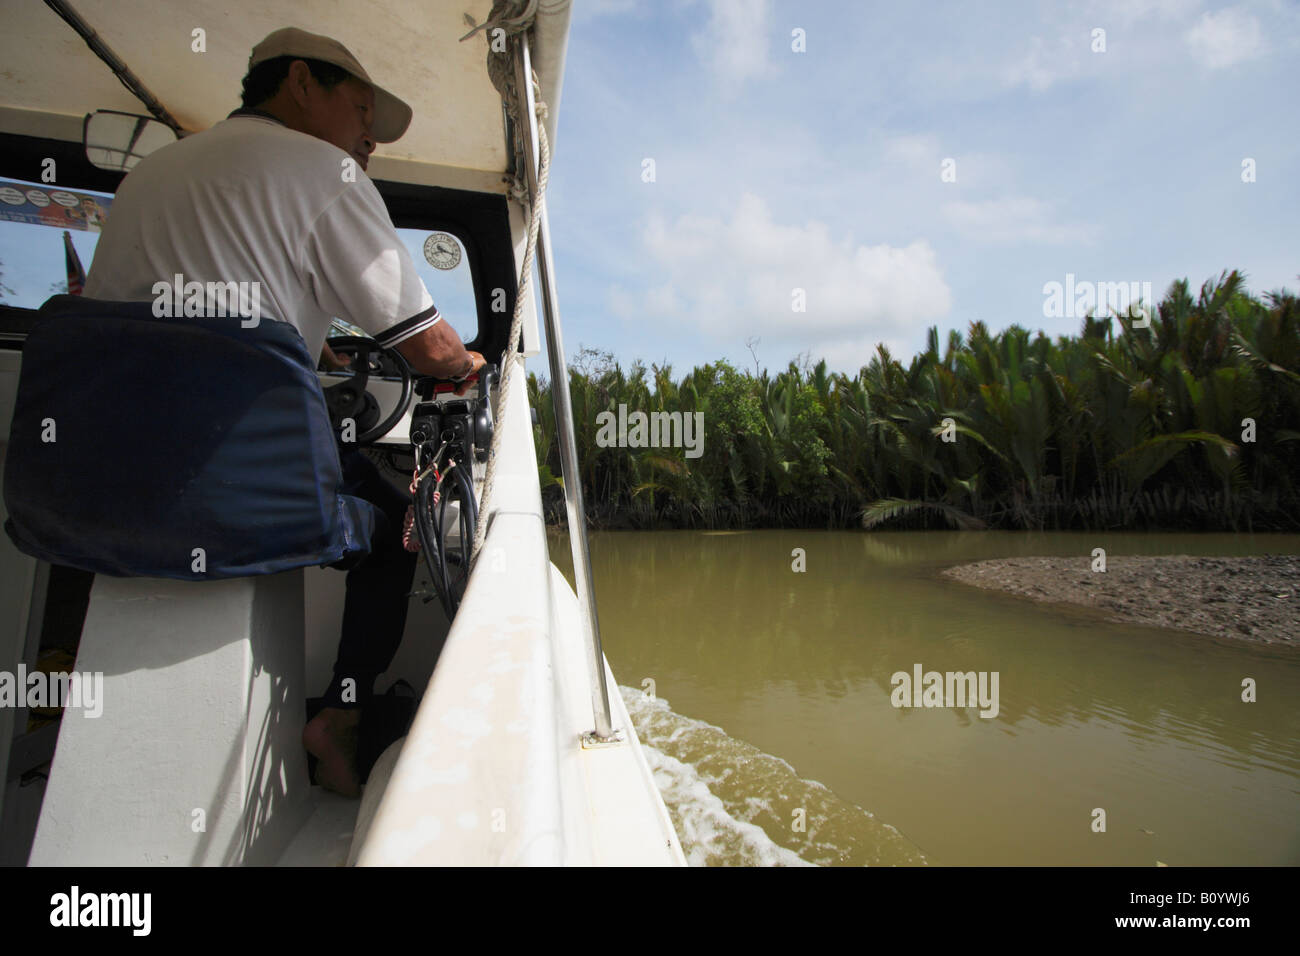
column 535, row 154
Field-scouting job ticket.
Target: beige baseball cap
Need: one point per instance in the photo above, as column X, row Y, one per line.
column 392, row 116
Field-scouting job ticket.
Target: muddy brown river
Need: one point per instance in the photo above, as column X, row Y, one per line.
column 766, row 698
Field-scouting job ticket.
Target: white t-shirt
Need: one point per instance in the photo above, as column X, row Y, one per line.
column 251, row 200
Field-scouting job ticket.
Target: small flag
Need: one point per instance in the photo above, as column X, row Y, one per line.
column 76, row 274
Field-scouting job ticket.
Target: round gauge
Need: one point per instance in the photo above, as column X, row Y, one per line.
column 442, row 250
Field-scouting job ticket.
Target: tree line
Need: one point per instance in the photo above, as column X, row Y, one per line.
column 1190, row 423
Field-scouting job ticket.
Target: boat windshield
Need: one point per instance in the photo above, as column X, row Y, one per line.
column 35, row 262
column 34, row 259
column 441, row 260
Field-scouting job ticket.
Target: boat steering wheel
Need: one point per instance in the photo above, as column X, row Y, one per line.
column 349, row 398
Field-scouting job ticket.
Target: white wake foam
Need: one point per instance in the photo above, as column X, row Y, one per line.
column 734, row 805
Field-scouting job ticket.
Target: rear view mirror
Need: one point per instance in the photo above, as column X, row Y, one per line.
column 117, row 141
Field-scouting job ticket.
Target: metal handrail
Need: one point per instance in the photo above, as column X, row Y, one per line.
column 577, row 515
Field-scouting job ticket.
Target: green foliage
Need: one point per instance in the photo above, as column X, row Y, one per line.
column 1118, row 427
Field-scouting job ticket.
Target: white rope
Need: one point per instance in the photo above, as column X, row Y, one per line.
column 513, row 17
column 512, row 357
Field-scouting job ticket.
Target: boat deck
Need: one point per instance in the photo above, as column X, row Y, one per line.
column 326, row 835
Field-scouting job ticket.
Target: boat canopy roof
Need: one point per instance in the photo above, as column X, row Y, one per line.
column 457, row 136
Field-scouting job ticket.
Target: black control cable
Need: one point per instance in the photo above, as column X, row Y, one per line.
column 452, row 482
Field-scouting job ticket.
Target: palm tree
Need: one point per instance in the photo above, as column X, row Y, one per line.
column 1194, row 419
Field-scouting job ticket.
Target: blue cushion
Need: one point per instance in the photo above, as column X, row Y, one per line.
column 171, row 435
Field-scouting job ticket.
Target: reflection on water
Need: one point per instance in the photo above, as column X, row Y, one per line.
column 792, row 670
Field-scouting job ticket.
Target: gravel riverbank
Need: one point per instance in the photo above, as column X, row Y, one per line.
column 1253, row 599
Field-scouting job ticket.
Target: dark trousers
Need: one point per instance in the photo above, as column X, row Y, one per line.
column 374, row 613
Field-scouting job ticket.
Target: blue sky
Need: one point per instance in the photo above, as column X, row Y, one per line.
column 821, row 170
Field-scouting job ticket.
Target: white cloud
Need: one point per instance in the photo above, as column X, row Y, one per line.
column 1013, row 219
column 1221, row 39
column 913, row 149
column 851, row 353
column 735, row 277
column 733, row 43
column 913, row 162
column 1041, row 67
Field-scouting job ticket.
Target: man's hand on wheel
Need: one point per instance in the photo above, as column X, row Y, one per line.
column 479, row 361
column 333, row 362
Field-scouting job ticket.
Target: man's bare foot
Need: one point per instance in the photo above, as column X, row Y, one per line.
column 331, row 737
